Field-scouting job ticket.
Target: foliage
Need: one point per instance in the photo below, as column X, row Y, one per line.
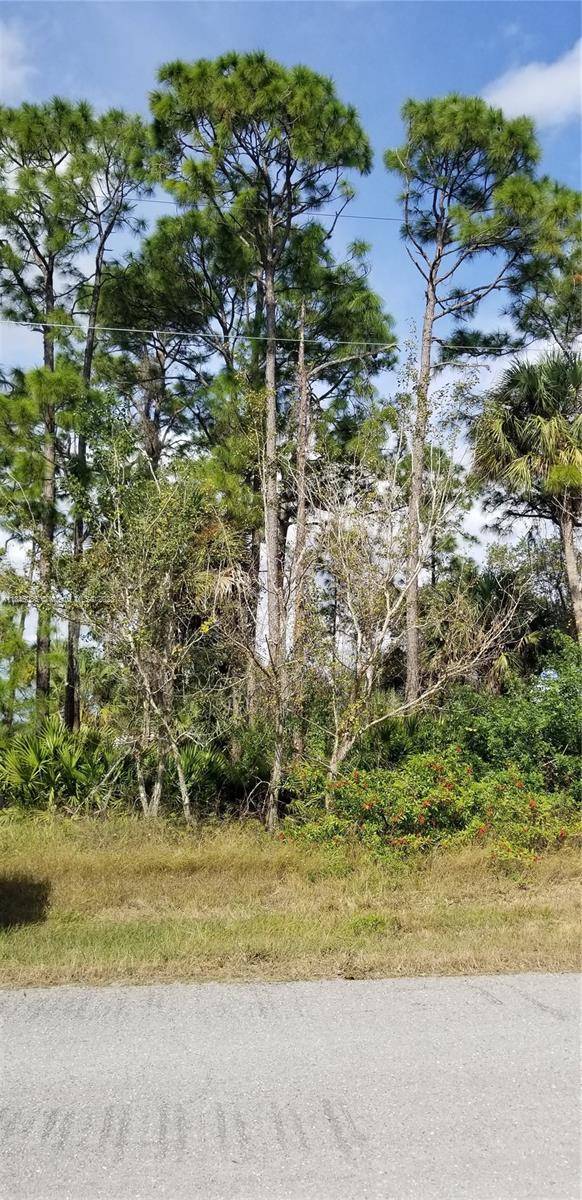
column 208, row 774
column 529, row 436
column 236, row 554
column 468, row 191
column 469, row 214
column 500, row 769
column 432, row 799
column 533, row 724
column 240, row 99
column 16, row 661
column 528, row 442
column 545, row 288
column 53, row 768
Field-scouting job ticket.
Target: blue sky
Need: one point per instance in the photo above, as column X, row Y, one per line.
column 524, row 56
column 521, row 54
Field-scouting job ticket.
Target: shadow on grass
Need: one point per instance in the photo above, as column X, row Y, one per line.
column 24, row 900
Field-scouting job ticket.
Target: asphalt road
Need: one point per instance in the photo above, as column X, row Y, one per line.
column 421, row 1088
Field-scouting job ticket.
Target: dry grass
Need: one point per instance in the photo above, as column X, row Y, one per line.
column 86, row 901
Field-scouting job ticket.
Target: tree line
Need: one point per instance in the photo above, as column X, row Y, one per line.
column 236, row 543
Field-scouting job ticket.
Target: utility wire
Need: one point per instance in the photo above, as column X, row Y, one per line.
column 247, row 337
column 181, row 333
column 311, row 212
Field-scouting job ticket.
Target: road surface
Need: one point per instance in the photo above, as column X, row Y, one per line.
column 425, row 1088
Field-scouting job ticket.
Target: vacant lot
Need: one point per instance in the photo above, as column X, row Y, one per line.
column 101, row 901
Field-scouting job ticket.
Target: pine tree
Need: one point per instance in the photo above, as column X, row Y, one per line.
column 466, row 173
column 43, row 231
column 264, row 145
column 545, row 289
column 107, row 174
column 67, row 180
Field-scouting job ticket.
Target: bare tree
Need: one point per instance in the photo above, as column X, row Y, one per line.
column 362, row 540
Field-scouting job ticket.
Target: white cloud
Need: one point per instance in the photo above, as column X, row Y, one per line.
column 548, row 92
column 517, row 36
column 15, row 69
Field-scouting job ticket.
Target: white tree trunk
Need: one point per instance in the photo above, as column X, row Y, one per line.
column 416, row 477
column 571, row 565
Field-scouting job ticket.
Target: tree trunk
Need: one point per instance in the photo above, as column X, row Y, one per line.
column 298, row 588
column 416, row 478
column 271, row 499
column 47, row 524
column 183, row 786
column 72, row 705
column 150, row 805
column 342, row 745
column 10, row 708
column 433, row 561
column 571, row 565
column 157, row 789
column 152, row 371
column 256, row 534
column 141, row 788
column 252, row 618
column 275, row 646
column 272, row 804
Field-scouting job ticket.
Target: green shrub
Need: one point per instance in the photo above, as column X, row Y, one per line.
column 425, row 793
column 432, row 799
column 326, row 828
column 510, row 859
column 535, row 725
column 208, row 774
column 52, row 767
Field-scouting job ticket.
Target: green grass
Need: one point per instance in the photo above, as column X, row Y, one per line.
column 92, row 901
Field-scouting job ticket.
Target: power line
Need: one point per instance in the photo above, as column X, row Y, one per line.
column 312, row 212
column 182, row 333
column 247, row 337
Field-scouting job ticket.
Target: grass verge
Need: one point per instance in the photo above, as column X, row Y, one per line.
column 93, row 902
